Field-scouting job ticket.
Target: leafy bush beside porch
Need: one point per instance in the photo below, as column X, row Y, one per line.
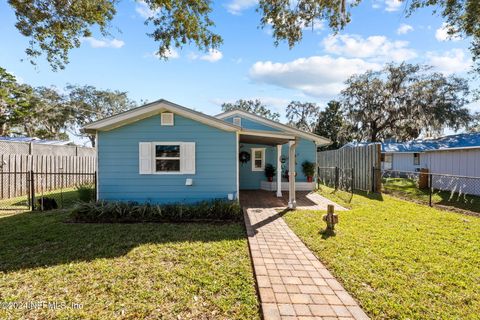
column 103, row 211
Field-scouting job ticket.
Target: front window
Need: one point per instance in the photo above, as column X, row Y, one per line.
column 258, row 159
column 167, row 158
column 416, row 159
column 387, row 160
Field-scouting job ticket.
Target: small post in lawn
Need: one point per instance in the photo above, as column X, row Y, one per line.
column 431, row 189
column 331, row 219
column 336, row 178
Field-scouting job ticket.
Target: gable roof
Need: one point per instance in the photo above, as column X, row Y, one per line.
column 451, row 142
column 274, row 124
column 154, row 108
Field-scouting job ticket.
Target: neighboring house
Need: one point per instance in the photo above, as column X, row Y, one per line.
column 457, row 155
column 163, row 153
column 37, row 141
column 406, row 156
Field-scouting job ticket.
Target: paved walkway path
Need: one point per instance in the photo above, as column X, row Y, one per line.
column 293, row 283
column 306, row 200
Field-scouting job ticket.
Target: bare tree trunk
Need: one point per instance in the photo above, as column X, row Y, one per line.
column 92, row 140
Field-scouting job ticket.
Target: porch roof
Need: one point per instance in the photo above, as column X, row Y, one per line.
column 265, row 137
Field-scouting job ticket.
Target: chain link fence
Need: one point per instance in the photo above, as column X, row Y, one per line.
column 434, row 189
column 29, row 190
column 337, row 178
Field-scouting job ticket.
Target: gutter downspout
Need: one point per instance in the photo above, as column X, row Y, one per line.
column 292, row 146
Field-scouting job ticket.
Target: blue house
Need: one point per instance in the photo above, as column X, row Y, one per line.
column 162, row 152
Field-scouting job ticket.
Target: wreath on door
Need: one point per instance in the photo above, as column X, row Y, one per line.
column 244, row 157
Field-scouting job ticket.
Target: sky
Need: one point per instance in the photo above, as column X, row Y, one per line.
column 248, row 65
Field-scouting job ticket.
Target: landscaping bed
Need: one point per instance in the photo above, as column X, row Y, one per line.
column 130, row 212
column 399, row 259
column 129, row 271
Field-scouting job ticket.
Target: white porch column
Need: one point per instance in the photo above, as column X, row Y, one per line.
column 292, row 203
column 279, row 170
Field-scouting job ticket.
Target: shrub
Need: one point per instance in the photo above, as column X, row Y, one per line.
column 86, row 192
column 105, row 211
column 308, row 168
column 270, row 170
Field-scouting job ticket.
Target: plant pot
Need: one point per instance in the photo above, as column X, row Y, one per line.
column 309, row 179
column 270, row 179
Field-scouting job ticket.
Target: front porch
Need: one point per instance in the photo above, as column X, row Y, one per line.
column 306, row 200
column 260, row 149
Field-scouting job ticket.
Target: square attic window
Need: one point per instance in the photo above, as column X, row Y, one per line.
column 167, row 119
column 237, row 121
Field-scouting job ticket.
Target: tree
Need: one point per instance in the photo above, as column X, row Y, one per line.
column 40, row 112
column 403, row 101
column 8, row 86
column 252, row 106
column 56, row 27
column 89, row 104
column 474, row 125
column 331, row 125
column 302, row 115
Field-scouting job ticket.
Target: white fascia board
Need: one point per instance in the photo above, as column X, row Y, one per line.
column 266, row 134
column 152, row 109
column 319, row 141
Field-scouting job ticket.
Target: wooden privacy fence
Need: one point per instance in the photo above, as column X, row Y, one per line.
column 52, row 172
column 363, row 160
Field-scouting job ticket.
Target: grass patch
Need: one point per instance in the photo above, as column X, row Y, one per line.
column 405, row 187
column 130, row 271
column 401, row 260
column 65, row 198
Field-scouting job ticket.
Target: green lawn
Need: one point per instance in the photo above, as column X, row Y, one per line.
column 405, row 187
column 401, row 260
column 65, row 198
column 130, row 271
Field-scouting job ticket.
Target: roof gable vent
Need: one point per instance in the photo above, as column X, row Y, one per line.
column 167, row 119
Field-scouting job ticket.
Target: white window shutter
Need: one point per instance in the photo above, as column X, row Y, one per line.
column 145, row 158
column 187, row 160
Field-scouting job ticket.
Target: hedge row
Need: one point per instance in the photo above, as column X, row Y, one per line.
column 104, row 211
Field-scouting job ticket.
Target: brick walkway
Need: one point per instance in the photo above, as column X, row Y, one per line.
column 292, row 282
column 266, row 199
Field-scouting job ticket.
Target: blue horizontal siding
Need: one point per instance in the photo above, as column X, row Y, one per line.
column 305, row 151
column 118, row 176
column 252, row 124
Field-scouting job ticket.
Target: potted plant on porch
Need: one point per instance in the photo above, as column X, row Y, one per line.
column 308, row 169
column 270, row 172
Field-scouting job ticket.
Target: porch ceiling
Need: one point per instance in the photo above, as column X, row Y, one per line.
column 266, row 138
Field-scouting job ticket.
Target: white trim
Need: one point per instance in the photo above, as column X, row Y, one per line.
column 266, row 134
column 237, row 151
column 253, row 159
column 237, row 121
column 454, row 149
column 155, row 108
column 96, row 166
column 306, row 135
column 300, row 186
column 181, row 144
column 279, row 170
column 164, row 121
column 292, row 146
